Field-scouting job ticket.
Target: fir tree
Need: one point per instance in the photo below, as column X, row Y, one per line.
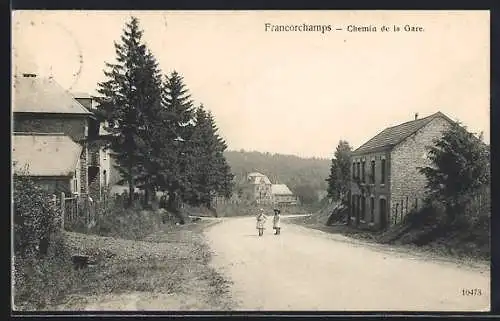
column 339, row 179
column 177, row 115
column 209, row 171
column 151, row 128
column 127, row 100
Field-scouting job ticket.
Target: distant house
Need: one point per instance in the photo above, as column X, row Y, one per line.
column 42, row 106
column 258, row 188
column 53, row 160
column 386, row 183
column 282, row 195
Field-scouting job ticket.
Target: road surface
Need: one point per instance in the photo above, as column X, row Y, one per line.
column 305, row 269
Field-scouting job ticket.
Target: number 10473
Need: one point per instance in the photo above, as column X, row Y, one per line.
column 471, row 292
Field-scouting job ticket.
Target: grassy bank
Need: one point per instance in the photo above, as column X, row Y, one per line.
column 449, row 248
column 172, row 262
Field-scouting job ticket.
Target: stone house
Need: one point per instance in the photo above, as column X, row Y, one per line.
column 53, row 160
column 42, row 106
column 282, row 195
column 258, row 188
column 386, row 183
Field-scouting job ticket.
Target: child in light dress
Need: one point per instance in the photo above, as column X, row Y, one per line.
column 276, row 222
column 261, row 219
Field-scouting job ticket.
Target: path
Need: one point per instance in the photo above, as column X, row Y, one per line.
column 305, row 269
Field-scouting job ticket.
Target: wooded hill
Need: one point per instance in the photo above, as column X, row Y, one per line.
column 305, row 176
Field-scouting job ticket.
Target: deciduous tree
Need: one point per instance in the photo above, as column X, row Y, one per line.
column 460, row 165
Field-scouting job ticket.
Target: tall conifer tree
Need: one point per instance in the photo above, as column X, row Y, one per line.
column 177, row 120
column 127, row 100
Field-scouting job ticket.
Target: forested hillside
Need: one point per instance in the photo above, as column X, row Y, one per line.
column 305, row 176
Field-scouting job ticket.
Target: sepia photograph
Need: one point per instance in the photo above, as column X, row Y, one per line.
column 250, row 161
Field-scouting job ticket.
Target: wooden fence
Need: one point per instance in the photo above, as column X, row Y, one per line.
column 475, row 205
column 77, row 210
column 478, row 204
column 401, row 207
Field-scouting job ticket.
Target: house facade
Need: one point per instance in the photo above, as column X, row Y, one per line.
column 259, row 188
column 52, row 160
column 282, row 195
column 99, row 162
column 42, row 107
column 386, row 183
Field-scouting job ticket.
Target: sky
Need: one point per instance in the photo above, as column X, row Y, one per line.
column 285, row 92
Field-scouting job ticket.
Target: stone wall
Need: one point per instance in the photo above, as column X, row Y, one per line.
column 75, row 127
column 407, row 184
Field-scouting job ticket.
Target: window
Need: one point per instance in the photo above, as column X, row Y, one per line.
column 372, row 209
column 357, row 169
column 75, row 183
column 363, row 172
column 353, row 170
column 382, row 172
column 372, row 177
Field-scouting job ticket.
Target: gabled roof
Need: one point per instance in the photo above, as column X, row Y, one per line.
column 44, row 95
column 258, row 178
column 394, row 135
column 45, row 154
column 81, row 94
column 280, row 189
column 255, row 174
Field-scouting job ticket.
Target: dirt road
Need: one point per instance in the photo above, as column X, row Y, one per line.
column 305, row 269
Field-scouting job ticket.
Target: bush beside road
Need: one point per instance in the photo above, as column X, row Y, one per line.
column 167, row 270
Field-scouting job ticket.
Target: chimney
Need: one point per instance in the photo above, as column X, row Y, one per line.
column 416, row 116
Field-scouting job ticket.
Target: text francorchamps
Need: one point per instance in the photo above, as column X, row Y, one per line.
column 299, row 27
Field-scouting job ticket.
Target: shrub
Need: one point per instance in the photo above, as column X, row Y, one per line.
column 128, row 223
column 36, row 217
column 433, row 213
column 40, row 282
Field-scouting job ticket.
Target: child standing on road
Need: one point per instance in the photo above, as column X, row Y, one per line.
column 261, row 219
column 276, row 221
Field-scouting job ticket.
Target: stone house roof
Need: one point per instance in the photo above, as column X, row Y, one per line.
column 394, row 135
column 35, row 94
column 45, row 154
column 280, row 189
column 258, row 178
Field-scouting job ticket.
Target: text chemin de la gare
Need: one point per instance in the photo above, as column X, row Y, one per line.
column 304, row 27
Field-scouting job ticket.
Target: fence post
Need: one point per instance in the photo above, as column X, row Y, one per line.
column 63, row 209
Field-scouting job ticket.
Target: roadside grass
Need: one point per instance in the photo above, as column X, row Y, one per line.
column 171, row 260
column 448, row 249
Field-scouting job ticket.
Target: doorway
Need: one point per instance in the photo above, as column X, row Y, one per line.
column 383, row 213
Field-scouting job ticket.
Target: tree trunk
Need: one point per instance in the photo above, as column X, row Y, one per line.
column 130, row 193
column 173, row 206
column 148, row 191
column 146, row 197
